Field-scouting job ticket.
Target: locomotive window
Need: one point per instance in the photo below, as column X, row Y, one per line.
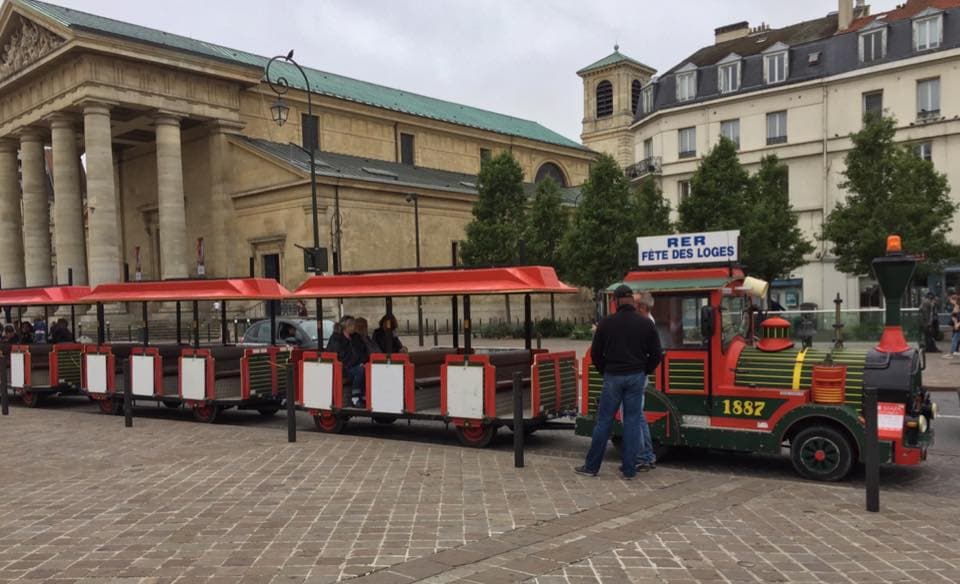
column 732, row 321
column 678, row 319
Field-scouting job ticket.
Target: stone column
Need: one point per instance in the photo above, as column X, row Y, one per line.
column 172, row 215
column 36, row 211
column 221, row 206
column 68, row 235
column 12, row 273
column 104, row 248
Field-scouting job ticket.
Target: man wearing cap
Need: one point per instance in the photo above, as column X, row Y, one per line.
column 625, row 349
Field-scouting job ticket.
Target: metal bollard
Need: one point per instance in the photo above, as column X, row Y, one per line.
column 4, row 398
column 517, row 420
column 291, row 398
column 539, row 341
column 436, row 337
column 127, row 396
column 871, row 447
column 108, row 333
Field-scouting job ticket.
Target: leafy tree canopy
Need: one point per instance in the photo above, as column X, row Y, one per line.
column 652, row 209
column 548, row 222
column 493, row 236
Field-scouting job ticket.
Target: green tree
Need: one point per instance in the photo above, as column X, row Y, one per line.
column 771, row 242
column 601, row 243
column 548, row 222
column 652, row 210
column 718, row 192
column 890, row 191
column 493, row 236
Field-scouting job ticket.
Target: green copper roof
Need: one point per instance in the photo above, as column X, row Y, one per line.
column 321, row 82
column 612, row 59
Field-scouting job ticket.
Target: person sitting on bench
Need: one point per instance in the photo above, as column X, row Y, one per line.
column 353, row 369
column 380, row 335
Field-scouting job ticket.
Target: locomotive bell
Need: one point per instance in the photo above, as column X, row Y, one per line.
column 893, row 272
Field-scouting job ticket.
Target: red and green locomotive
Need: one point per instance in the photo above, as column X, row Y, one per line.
column 720, row 387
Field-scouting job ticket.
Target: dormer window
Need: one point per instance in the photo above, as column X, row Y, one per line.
column 927, row 30
column 687, row 82
column 873, row 42
column 646, row 99
column 776, row 63
column 728, row 78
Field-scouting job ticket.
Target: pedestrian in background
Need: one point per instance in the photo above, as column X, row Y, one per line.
column 625, row 349
column 929, row 322
column 954, row 327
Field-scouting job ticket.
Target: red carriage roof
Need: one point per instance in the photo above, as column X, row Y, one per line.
column 188, row 290
column 51, row 295
column 516, row 280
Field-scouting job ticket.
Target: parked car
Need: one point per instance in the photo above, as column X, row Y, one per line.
column 305, row 332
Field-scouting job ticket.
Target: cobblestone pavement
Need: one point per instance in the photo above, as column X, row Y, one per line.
column 88, row 501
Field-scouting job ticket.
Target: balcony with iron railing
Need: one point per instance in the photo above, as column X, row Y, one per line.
column 650, row 165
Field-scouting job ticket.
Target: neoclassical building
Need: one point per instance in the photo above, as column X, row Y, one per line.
column 126, row 150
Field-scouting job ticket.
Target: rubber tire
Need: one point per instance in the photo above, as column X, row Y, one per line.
column 810, row 438
column 30, row 399
column 330, row 423
column 208, row 414
column 167, row 403
column 476, row 436
column 268, row 411
column 110, row 407
column 384, row 420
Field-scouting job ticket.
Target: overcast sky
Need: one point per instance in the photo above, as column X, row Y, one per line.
column 516, row 57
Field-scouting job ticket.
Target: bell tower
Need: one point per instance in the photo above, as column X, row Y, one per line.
column 612, row 89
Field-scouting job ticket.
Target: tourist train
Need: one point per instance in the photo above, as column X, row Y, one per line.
column 725, row 381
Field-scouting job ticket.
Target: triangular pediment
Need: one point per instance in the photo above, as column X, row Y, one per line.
column 777, row 47
column 731, row 58
column 24, row 40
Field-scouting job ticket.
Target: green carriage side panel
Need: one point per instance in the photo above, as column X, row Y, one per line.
column 686, row 375
column 568, row 384
column 261, row 373
column 68, row 368
column 283, row 359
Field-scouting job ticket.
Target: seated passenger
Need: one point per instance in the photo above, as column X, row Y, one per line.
column 10, row 335
column 353, row 369
column 380, row 335
column 60, row 332
column 26, row 333
column 362, row 342
column 287, row 334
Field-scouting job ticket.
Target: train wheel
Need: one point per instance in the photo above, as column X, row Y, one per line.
column 206, row 413
column 30, row 399
column 110, row 407
column 268, row 411
column 329, row 423
column 385, row 420
column 821, row 454
column 476, row 436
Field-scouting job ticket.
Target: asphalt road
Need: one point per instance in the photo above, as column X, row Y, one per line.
column 937, row 476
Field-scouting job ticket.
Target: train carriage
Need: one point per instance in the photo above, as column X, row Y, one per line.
column 724, row 385
column 457, row 385
column 205, row 379
column 37, row 371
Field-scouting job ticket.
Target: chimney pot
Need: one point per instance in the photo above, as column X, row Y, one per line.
column 731, row 31
column 844, row 14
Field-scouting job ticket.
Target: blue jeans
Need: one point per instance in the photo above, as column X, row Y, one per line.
column 618, row 389
column 357, row 377
column 955, row 342
column 645, row 453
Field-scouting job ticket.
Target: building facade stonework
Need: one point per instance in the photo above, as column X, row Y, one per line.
column 158, row 149
column 799, row 92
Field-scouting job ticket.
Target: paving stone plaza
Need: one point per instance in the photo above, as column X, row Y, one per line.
column 171, row 500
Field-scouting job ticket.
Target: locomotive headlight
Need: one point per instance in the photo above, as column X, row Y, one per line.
column 923, row 424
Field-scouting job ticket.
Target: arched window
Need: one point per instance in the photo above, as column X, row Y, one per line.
column 549, row 169
column 635, row 90
column 604, row 99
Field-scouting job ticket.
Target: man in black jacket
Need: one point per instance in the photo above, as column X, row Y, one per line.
column 625, row 349
column 350, row 361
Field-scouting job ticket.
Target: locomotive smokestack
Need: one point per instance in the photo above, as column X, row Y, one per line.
column 893, row 273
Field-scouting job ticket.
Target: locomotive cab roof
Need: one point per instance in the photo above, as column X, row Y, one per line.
column 680, row 280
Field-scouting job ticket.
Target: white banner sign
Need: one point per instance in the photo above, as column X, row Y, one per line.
column 711, row 247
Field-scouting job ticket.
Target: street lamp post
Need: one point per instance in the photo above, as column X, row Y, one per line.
column 415, row 199
column 280, row 112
